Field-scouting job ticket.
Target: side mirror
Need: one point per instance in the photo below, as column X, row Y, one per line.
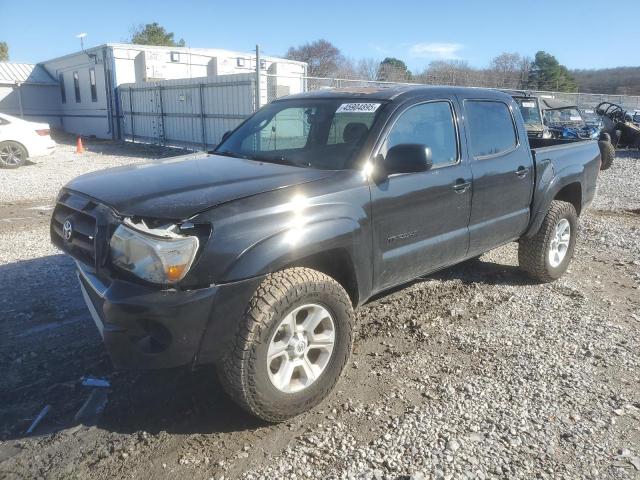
column 225, row 135
column 407, row 158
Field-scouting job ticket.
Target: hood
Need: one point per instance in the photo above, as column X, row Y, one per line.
column 179, row 187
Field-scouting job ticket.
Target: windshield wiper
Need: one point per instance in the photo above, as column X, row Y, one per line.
column 277, row 159
column 281, row 159
column 227, row 153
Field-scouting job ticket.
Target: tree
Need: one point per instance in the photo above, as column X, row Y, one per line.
column 4, row 52
column 324, row 58
column 505, row 70
column 547, row 74
column 394, row 70
column 154, row 34
column 368, row 68
column 451, row 72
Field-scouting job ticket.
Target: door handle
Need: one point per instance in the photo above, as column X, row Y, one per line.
column 522, row 172
column 461, row 185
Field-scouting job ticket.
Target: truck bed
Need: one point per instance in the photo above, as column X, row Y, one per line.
column 560, row 163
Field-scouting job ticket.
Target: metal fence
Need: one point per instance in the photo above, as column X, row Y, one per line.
column 582, row 100
column 195, row 113
column 191, row 113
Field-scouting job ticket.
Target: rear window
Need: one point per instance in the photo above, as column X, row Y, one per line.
column 491, row 126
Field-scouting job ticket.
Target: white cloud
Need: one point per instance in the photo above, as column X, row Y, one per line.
column 440, row 51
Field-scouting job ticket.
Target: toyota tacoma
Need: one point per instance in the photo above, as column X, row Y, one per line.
column 254, row 256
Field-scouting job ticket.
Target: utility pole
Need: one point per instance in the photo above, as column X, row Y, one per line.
column 257, row 77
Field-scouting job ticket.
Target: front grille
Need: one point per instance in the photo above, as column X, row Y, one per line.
column 90, row 223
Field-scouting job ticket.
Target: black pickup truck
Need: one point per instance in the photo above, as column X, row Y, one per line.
column 254, row 257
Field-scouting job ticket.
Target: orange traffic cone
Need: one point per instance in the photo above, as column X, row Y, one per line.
column 79, row 147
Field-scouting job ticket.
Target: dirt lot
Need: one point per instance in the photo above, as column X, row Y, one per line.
column 470, row 373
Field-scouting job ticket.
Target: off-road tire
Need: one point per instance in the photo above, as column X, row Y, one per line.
column 243, row 369
column 533, row 252
column 19, row 150
column 607, row 154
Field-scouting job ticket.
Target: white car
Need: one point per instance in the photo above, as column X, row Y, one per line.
column 20, row 139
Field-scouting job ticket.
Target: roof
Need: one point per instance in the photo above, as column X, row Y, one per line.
column 24, row 73
column 518, row 93
column 555, row 104
column 391, row 92
column 203, row 51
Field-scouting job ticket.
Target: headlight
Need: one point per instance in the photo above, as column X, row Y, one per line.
column 158, row 259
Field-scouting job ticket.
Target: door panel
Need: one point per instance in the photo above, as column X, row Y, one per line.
column 502, row 176
column 420, row 219
column 420, row 223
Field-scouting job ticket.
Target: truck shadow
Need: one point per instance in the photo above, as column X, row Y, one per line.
column 476, row 271
column 50, row 342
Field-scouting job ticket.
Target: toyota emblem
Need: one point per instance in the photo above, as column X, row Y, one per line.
column 67, row 230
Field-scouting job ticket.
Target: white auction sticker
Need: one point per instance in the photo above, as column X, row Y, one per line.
column 358, row 107
column 575, row 118
column 528, row 104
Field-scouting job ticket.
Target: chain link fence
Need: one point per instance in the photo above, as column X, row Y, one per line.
column 275, row 89
column 195, row 113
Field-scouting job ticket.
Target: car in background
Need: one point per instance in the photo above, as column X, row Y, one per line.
column 620, row 125
column 531, row 113
column 564, row 120
column 21, row 139
column 546, row 118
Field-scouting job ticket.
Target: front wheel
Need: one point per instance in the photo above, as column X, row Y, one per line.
column 12, row 154
column 291, row 345
column 607, row 154
column 546, row 255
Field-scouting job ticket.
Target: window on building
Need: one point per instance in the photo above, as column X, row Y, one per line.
column 76, row 86
column 92, row 84
column 429, row 124
column 63, row 92
column 175, row 56
column 240, row 62
column 492, row 128
column 263, row 64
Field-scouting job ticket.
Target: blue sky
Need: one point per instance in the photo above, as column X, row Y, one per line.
column 416, row 31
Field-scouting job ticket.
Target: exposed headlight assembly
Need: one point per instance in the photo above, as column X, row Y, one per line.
column 157, row 255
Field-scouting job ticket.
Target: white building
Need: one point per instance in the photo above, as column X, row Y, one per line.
column 29, row 92
column 87, row 96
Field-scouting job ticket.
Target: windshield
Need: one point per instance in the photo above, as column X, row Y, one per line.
column 529, row 109
column 318, row 133
column 563, row 116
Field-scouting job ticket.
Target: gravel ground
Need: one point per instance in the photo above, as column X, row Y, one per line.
column 470, row 373
column 42, row 179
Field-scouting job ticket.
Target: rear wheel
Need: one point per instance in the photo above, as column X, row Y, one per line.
column 12, row 154
column 291, row 345
column 546, row 255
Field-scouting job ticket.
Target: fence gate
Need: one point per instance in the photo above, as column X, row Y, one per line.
column 192, row 113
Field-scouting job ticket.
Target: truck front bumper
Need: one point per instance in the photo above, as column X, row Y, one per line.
column 147, row 328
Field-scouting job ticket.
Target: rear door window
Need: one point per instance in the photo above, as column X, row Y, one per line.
column 491, row 126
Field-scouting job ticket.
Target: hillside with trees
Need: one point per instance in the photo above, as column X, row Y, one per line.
column 620, row 80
